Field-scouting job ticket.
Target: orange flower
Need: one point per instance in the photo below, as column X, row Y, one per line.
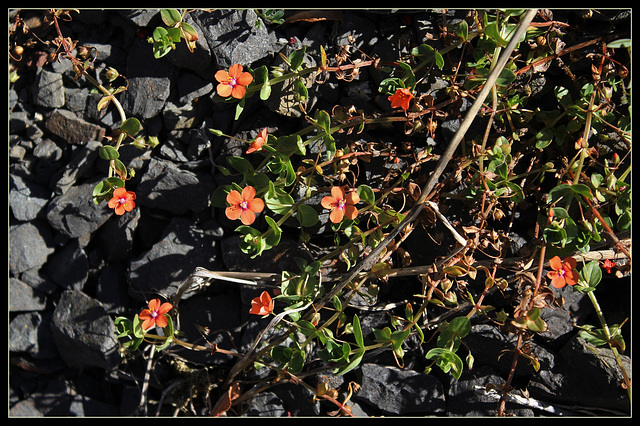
column 233, row 83
column 257, row 144
column 244, row 206
column 262, row 305
column 340, row 204
column 609, row 265
column 122, row 201
column 155, row 315
column 563, row 272
column 401, row 99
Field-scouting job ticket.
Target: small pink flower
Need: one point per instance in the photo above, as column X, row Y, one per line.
column 262, row 305
column 257, row 144
column 341, row 205
column 233, row 82
column 155, row 315
column 563, row 272
column 244, row 206
column 401, row 99
column 122, row 201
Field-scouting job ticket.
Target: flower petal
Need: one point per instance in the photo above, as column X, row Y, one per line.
column 352, row 198
column 336, row 215
column 350, row 211
column 235, row 70
column 571, row 277
column 148, row 323
column 245, row 79
column 233, row 212
column 224, row 90
column 161, row 321
column 256, row 205
column 337, row 192
column 248, row 193
column 247, row 217
column 222, row 76
column 328, row 202
column 154, row 304
column 119, row 192
column 569, row 263
column 555, row 263
column 164, row 308
column 234, row 198
column 238, row 91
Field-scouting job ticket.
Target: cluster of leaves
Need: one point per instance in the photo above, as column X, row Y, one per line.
column 591, row 198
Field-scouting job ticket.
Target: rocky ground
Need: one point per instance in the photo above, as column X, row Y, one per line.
column 75, row 266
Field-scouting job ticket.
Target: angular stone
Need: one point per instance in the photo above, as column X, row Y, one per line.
column 161, row 270
column 48, row 89
column 397, row 391
column 83, row 332
column 234, row 38
column 167, row 187
column 74, row 214
column 29, row 246
column 23, row 297
column 73, row 129
column 69, row 266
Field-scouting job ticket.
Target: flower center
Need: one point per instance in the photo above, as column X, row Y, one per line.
column 561, row 272
column 122, row 200
column 341, row 204
column 244, row 205
column 233, row 82
column 154, row 314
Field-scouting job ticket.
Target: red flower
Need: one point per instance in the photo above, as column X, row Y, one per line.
column 244, row 206
column 257, row 144
column 233, row 83
column 401, row 99
column 262, row 305
column 609, row 265
column 341, row 205
column 563, row 272
column 122, row 201
column 155, row 315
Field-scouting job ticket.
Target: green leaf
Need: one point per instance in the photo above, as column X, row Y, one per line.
column 307, row 216
column 131, row 126
column 168, row 332
column 108, row 153
column 592, row 273
column 357, row 332
column 296, row 58
column 366, row 194
column 274, row 238
column 170, row 16
column 430, row 54
column 447, row 361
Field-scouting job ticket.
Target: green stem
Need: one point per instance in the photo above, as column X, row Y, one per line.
column 607, row 333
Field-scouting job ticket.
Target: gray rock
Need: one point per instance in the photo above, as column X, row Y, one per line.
column 81, row 165
column 116, row 236
column 23, row 297
column 160, row 270
column 83, row 332
column 69, row 266
column 48, row 89
column 167, row 187
column 234, row 37
column 72, row 128
column 396, row 391
column 191, row 87
column 486, row 343
column 74, row 214
column 29, row 332
column 463, row 400
column 149, row 82
column 27, row 199
column 29, row 246
column 585, row 376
